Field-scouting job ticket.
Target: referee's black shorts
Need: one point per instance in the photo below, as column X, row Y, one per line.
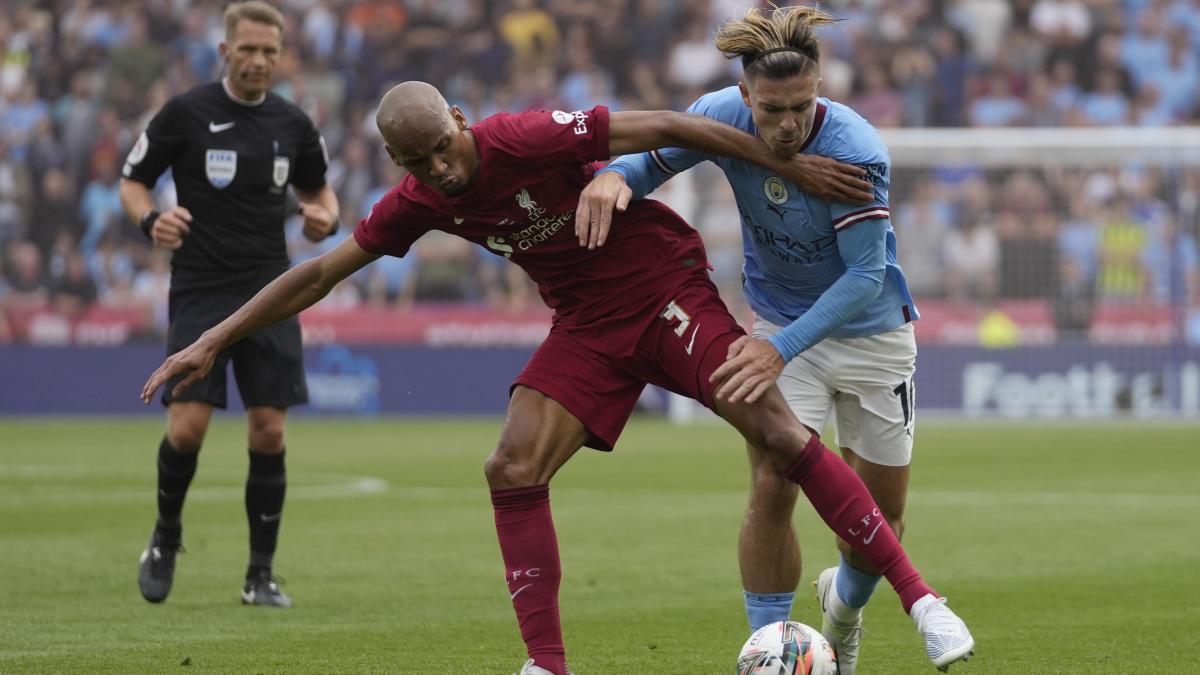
column 268, row 366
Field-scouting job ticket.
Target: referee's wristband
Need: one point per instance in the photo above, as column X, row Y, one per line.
column 148, row 223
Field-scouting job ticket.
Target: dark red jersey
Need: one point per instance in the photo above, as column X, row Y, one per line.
column 521, row 205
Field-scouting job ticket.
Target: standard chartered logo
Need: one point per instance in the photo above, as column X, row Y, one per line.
column 540, row 229
column 534, row 234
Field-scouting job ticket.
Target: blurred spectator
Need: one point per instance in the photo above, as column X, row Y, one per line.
column 1151, row 109
column 99, row 205
column 26, row 281
column 913, row 69
column 1120, row 274
column 149, row 286
column 21, row 117
column 1172, row 261
column 1106, row 105
column 876, row 100
column 1065, row 24
column 531, row 33
column 73, row 290
column 75, row 117
column 693, row 63
column 55, row 211
column 921, row 226
column 1145, row 50
column 1078, row 237
column 80, row 78
column 998, row 106
column 972, row 255
column 1176, row 81
column 1074, row 303
column 948, row 93
column 15, row 194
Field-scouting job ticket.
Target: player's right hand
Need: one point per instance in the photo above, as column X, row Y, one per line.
column 195, row 361
column 170, row 227
column 831, row 180
column 593, row 215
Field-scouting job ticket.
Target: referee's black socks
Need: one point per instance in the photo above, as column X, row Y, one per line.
column 266, row 485
column 175, row 471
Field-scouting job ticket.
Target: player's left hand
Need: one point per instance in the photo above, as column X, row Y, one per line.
column 750, row 368
column 594, row 214
column 830, row 179
column 318, row 221
column 194, row 362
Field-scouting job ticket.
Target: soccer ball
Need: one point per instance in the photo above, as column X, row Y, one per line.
column 787, row 648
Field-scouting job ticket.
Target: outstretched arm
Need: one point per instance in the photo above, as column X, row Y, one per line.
column 298, row 288
column 638, row 131
column 634, row 131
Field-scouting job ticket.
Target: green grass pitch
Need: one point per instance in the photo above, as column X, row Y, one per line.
column 1067, row 549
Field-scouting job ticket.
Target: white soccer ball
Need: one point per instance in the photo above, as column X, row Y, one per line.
column 787, row 648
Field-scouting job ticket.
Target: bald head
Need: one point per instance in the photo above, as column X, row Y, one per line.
column 427, row 137
column 410, row 111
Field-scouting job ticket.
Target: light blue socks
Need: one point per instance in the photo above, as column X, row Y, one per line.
column 854, row 587
column 767, row 608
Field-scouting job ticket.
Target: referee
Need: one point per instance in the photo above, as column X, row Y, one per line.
column 233, row 148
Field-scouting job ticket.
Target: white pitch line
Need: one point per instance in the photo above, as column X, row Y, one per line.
column 332, row 486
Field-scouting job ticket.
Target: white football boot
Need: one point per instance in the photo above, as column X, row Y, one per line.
column 946, row 636
column 530, row 669
column 842, row 636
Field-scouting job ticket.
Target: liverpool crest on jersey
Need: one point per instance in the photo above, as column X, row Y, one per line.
column 220, row 166
column 526, row 202
column 280, row 173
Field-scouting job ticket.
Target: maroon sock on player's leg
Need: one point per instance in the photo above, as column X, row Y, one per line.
column 845, row 504
column 532, row 570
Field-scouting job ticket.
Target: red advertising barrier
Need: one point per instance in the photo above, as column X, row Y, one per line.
column 434, row 326
column 95, row 325
column 1004, row 324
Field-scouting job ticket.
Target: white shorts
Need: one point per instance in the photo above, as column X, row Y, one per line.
column 867, row 383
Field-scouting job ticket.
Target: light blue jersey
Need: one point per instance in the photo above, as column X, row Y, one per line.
column 819, row 268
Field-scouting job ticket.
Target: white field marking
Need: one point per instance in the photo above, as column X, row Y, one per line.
column 1090, row 499
column 927, row 497
column 66, row 489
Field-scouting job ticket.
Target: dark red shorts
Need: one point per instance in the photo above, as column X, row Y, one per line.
column 597, row 372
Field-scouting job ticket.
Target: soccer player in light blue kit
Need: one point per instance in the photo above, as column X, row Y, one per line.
column 833, row 314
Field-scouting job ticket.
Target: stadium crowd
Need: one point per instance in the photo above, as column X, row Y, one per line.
column 79, row 79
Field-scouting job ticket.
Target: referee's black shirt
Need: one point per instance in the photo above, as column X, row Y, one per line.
column 231, row 162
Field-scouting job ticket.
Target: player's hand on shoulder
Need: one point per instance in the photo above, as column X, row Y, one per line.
column 831, row 180
column 319, row 222
column 593, row 215
column 751, row 367
column 170, row 227
column 194, row 362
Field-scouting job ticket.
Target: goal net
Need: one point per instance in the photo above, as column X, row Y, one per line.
column 1056, row 271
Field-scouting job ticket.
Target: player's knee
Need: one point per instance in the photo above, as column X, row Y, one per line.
column 770, row 489
column 186, row 435
column 266, row 438
column 782, row 445
column 508, row 466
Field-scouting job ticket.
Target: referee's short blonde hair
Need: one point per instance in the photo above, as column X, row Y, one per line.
column 251, row 10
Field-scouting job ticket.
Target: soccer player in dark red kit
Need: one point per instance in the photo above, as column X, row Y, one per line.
column 640, row 310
